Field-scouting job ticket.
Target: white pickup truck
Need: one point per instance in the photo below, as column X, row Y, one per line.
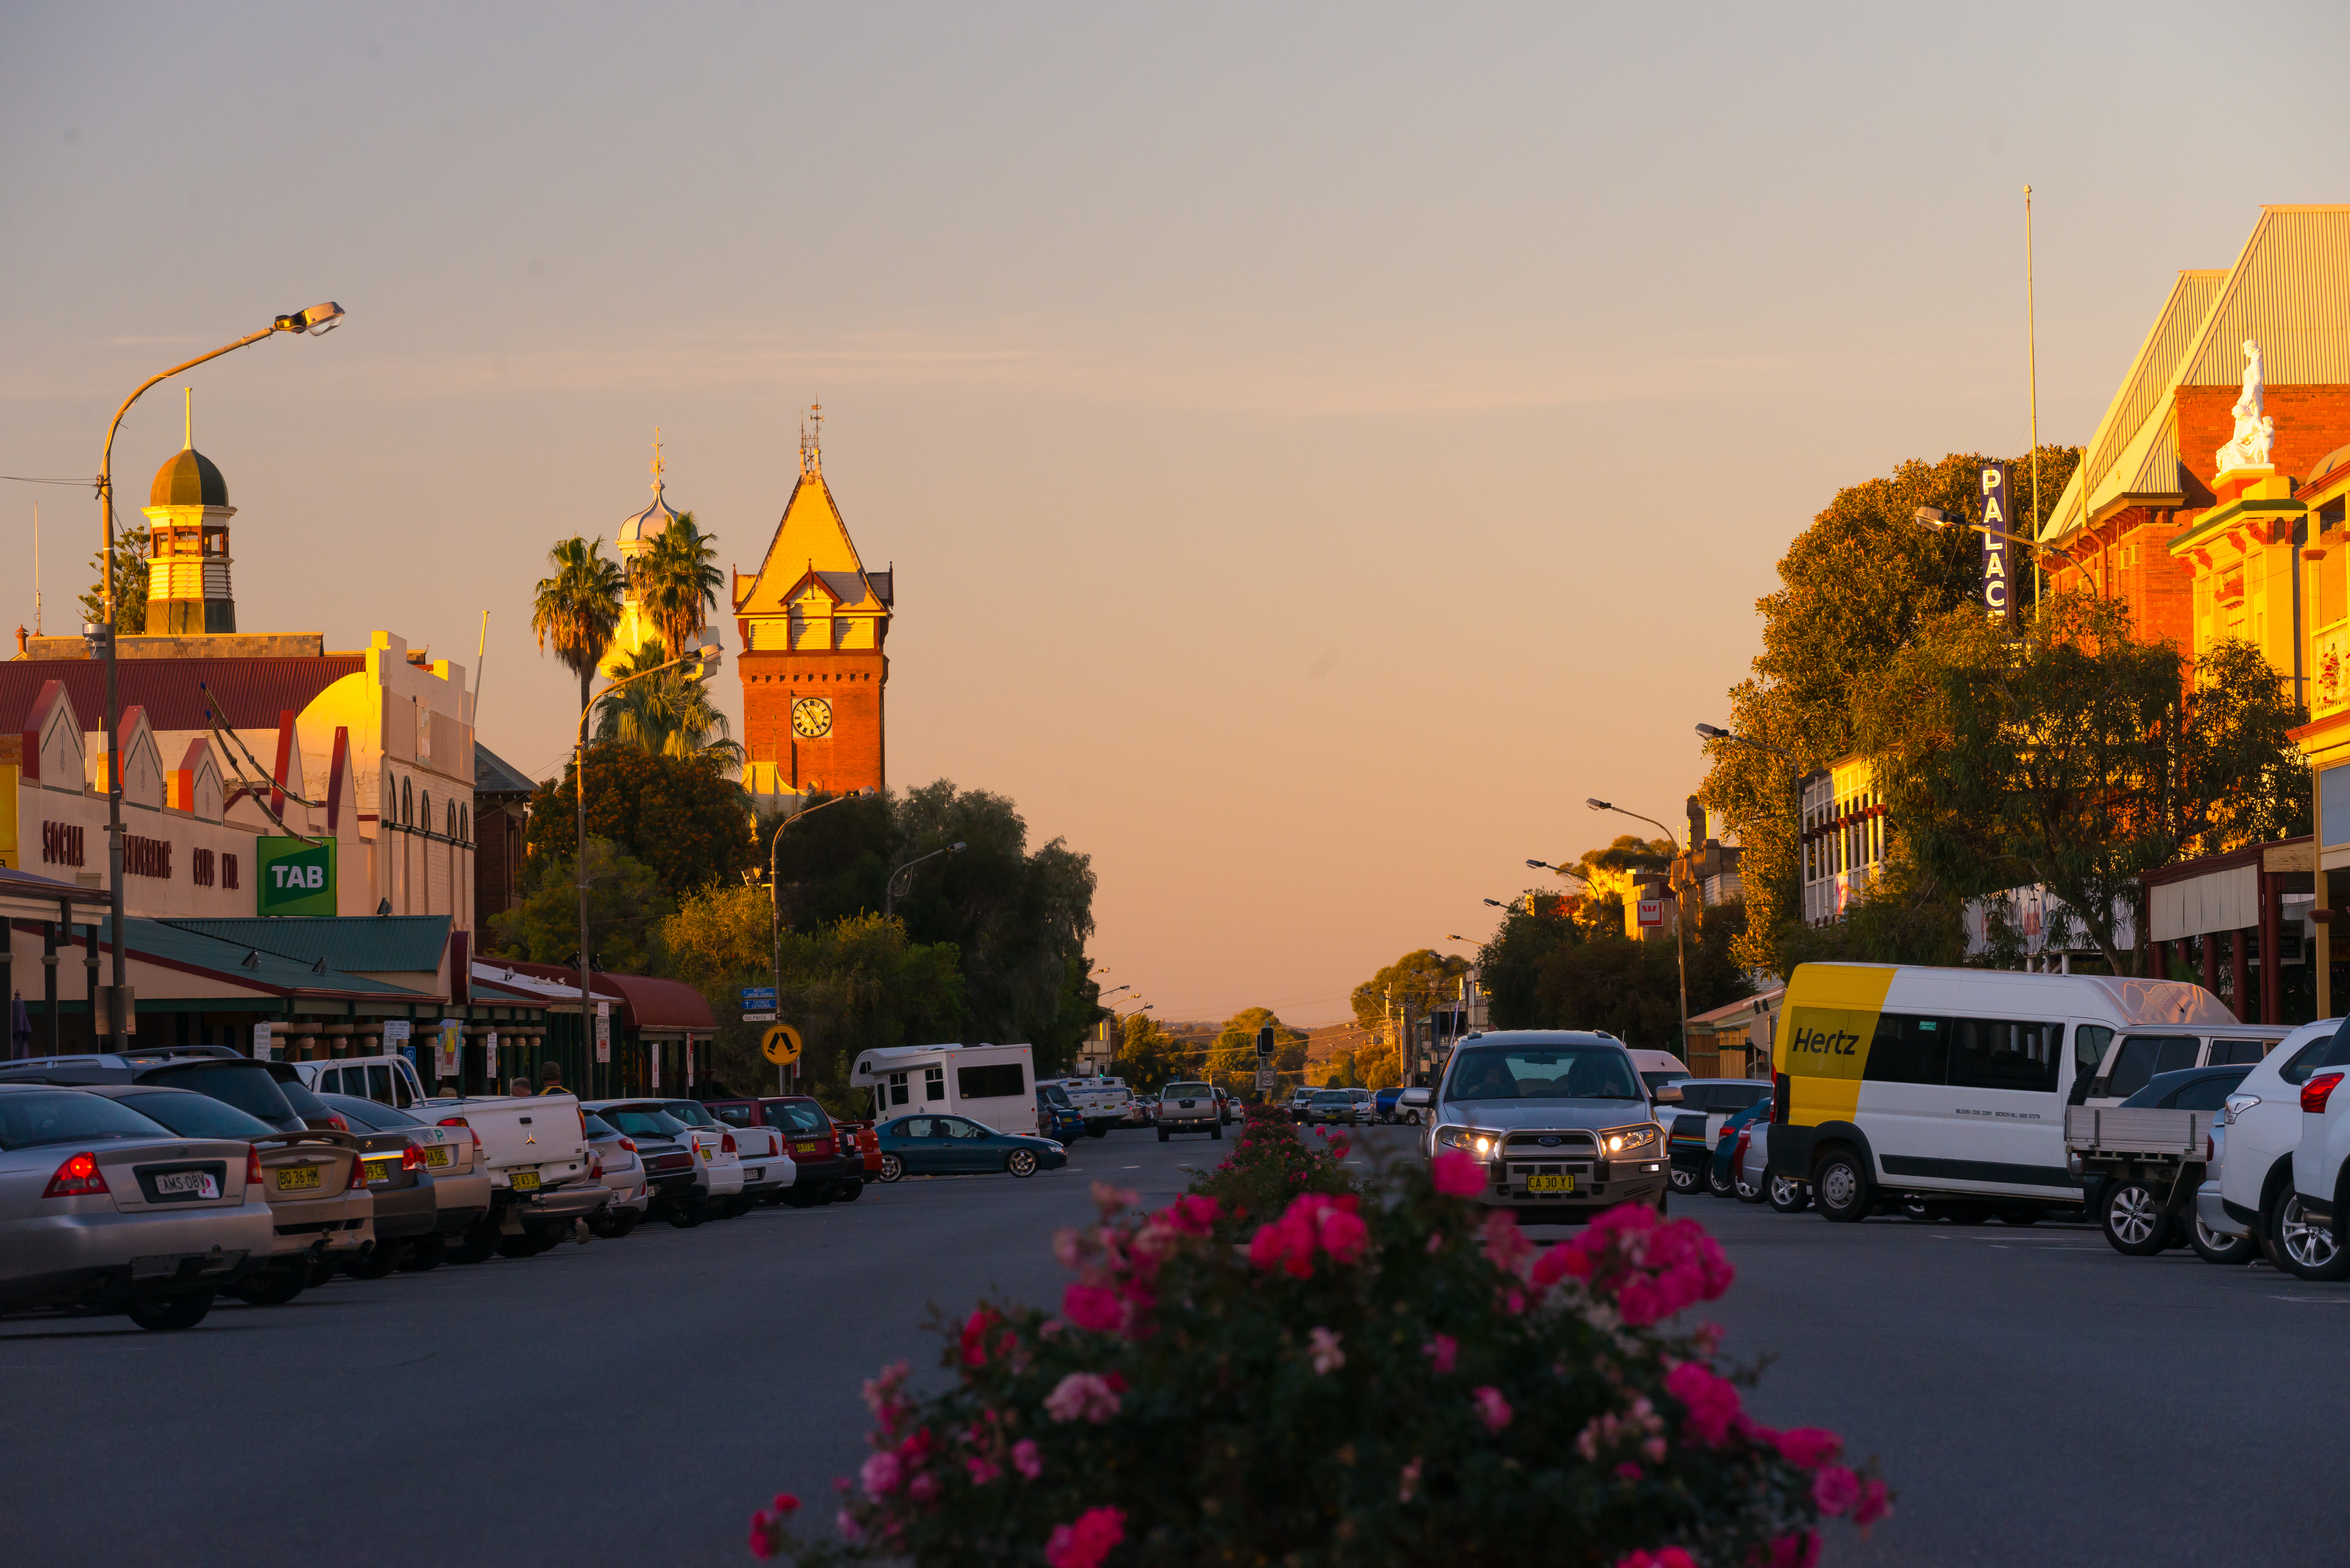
column 542, row 1175
column 1104, row 1103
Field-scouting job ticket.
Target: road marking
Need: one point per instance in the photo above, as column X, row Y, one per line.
column 1134, row 1168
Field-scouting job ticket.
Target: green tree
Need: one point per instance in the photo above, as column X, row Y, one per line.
column 130, row 566
column 1409, row 989
column 2078, row 758
column 1148, row 1056
column 625, row 907
column 679, row 816
column 579, row 607
column 1550, row 972
column 678, row 582
column 1232, row 1056
column 1854, row 587
column 669, row 713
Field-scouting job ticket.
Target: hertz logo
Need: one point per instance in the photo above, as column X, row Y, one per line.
column 1820, row 1043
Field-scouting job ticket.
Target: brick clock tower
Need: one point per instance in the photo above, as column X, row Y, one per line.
column 812, row 622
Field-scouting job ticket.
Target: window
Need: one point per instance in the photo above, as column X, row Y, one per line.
column 934, row 1082
column 991, row 1082
column 2004, row 1053
column 735, row 1115
column 451, row 812
column 465, row 822
column 2330, row 1051
column 34, row 1121
column 918, row 1127
column 1519, row 1073
column 896, row 1088
column 2143, row 1055
column 955, row 1127
column 2333, row 805
column 407, row 802
column 2206, row 1094
column 1908, row 1049
column 2237, row 1052
column 427, row 817
column 196, row 1115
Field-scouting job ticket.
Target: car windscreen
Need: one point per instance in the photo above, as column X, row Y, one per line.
column 1332, row 1097
column 196, row 1115
column 798, row 1116
column 1185, row 1092
column 1544, row 1073
column 596, row 1125
column 373, row 1115
column 247, row 1085
column 1054, row 1095
column 645, row 1124
column 31, row 1120
column 2193, row 1089
column 690, row 1112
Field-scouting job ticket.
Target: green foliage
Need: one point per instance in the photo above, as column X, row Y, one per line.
column 579, row 607
column 677, row 581
column 130, row 568
column 1270, row 1163
column 1231, row 1059
column 1149, row 1056
column 1549, row 972
column 1855, row 588
column 1415, row 985
column 2077, row 759
column 625, row 907
column 679, row 816
column 669, row 713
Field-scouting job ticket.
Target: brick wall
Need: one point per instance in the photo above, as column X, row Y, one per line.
column 852, row 756
column 2310, row 422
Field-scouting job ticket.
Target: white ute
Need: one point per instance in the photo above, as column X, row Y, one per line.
column 541, row 1176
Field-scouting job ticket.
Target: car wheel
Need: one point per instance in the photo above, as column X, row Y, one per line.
column 1162, row 1135
column 2213, row 1248
column 1217, row 1132
column 1747, row 1192
column 1093, row 1129
column 377, row 1261
column 478, row 1245
column 273, row 1289
column 524, row 1245
column 892, row 1169
column 1842, row 1187
column 424, row 1254
column 2309, row 1250
column 1023, row 1161
column 324, row 1270
column 2014, row 1215
column 848, row 1191
column 184, row 1309
column 2133, row 1219
column 691, row 1211
column 1788, row 1196
column 1718, row 1182
column 1683, row 1180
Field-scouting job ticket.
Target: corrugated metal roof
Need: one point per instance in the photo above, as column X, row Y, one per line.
column 2290, row 292
column 2143, row 396
column 646, row 1002
column 167, row 943
column 249, row 693
column 372, row 944
column 2148, row 466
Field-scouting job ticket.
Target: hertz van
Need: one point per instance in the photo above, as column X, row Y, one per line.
column 994, row 1085
column 1950, row 1086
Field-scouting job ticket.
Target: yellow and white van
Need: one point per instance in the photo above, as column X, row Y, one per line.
column 1896, row 1082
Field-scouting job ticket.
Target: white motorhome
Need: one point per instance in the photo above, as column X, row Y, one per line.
column 993, row 1085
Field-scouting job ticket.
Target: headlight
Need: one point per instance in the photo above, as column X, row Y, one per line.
column 1628, row 1140
column 1468, row 1140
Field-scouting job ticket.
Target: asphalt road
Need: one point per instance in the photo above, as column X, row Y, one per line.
column 2035, row 1398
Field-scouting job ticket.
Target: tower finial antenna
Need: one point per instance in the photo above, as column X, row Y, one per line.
column 657, row 461
column 814, row 443
column 188, row 441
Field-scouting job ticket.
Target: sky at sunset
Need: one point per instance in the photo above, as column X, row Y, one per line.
column 1318, row 446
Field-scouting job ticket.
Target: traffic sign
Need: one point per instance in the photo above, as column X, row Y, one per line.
column 753, row 995
column 758, row 1018
column 781, row 1045
column 1267, row 1080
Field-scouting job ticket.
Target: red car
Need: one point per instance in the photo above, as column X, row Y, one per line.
column 830, row 1167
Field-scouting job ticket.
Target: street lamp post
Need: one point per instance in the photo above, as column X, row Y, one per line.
column 706, row 658
column 1680, row 941
column 775, row 892
column 905, row 874
column 319, row 320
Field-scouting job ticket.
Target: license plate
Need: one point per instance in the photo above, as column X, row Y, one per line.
column 381, row 1170
column 754, row 1173
column 437, row 1157
column 1550, row 1184
column 803, row 1148
column 187, row 1184
column 525, row 1180
column 296, row 1178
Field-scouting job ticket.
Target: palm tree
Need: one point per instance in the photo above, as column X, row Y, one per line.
column 669, row 713
column 677, row 582
column 579, row 607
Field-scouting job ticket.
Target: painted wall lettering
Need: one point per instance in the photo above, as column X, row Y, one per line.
column 61, row 843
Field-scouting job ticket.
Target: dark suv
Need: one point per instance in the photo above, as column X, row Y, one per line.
column 272, row 1091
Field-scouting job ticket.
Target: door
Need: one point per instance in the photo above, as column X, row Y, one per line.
column 1904, row 1099
column 967, row 1145
column 2008, row 1119
column 919, row 1147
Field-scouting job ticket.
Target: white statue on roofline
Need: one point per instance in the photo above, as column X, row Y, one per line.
column 2255, row 435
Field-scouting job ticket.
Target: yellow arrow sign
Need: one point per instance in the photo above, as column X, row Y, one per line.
column 780, row 1045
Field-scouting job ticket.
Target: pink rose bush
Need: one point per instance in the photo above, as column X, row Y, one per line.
column 1365, row 1378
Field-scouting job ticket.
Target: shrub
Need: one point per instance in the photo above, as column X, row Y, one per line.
column 1270, row 1165
column 1402, row 1382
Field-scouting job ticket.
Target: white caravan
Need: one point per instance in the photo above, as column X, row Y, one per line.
column 993, row 1085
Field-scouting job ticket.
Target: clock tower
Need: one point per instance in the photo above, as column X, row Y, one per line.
column 812, row 622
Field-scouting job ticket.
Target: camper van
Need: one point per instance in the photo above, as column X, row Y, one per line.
column 993, row 1085
column 1949, row 1085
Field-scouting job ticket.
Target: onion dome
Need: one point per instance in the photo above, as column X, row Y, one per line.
column 189, row 479
column 650, row 524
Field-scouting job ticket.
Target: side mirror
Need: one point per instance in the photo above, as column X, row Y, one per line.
column 1669, row 1094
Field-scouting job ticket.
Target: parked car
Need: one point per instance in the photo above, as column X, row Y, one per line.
column 993, row 1085
column 866, row 1138
column 271, row 1091
column 534, row 1149
column 1383, row 1104
column 1722, row 1176
column 322, row 1213
column 758, row 1150
column 717, row 1167
column 621, row 1168
column 2133, row 1057
column 2215, row 1238
column 1788, row 1197
column 1225, row 1114
column 2262, row 1124
column 1102, row 1101
column 102, row 1207
column 1299, row 1098
column 828, row 1167
column 1188, row 1108
column 1659, row 1069
column 675, row 1188
column 1560, row 1120
column 1705, row 1104
column 1411, row 1105
column 2321, row 1184
column 2143, row 1160
column 389, row 1080
column 957, row 1146
column 1057, row 1118
column 414, row 1214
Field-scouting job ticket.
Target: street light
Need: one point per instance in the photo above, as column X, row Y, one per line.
column 706, row 659
column 775, row 893
column 317, row 319
column 903, row 874
column 1680, row 943
column 1935, row 518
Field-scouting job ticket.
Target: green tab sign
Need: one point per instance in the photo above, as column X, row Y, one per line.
column 295, row 876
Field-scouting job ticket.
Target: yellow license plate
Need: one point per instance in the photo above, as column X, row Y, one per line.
column 381, row 1170
column 1550, row 1184
column 803, row 1148
column 437, row 1157
column 525, row 1180
column 294, row 1179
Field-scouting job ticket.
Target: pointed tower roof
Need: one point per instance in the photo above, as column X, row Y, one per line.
column 189, row 477
column 810, row 540
column 638, row 534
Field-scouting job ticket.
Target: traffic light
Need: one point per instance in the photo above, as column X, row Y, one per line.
column 1264, row 1042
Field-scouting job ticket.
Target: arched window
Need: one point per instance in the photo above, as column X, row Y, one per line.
column 465, row 822
column 453, row 819
column 407, row 804
column 427, row 817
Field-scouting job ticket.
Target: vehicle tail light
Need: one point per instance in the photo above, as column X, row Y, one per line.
column 77, row 1178
column 358, row 1174
column 629, row 1144
column 726, row 1143
column 1745, row 1138
column 2209, row 1154
column 2317, row 1091
column 456, row 1122
column 251, row 1166
column 336, row 1122
column 582, row 1126
column 411, row 1157
column 595, row 1170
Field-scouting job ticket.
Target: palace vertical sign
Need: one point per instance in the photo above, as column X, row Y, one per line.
column 1998, row 550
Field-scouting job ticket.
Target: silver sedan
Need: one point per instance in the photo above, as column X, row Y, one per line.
column 101, row 1208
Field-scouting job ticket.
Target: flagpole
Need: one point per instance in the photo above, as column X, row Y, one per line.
column 2031, row 361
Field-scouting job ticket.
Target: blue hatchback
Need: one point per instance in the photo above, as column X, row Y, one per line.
column 957, row 1146
column 1057, row 1118
column 1383, row 1104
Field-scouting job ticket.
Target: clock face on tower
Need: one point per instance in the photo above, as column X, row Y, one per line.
column 811, row 718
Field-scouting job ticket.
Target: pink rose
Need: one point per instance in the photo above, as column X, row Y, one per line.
column 1194, row 1216
column 1836, row 1490
column 923, row 1488
column 881, row 1474
column 1095, row 1307
column 1082, row 1397
column 1810, row 1446
column 1441, row 1350
column 1873, row 1506
column 1408, row 1482
column 1086, row 1543
column 983, row 1471
column 1491, row 1409
column 1798, row 1550
column 1456, row 1175
column 1663, row 1557
column 1027, row 1460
